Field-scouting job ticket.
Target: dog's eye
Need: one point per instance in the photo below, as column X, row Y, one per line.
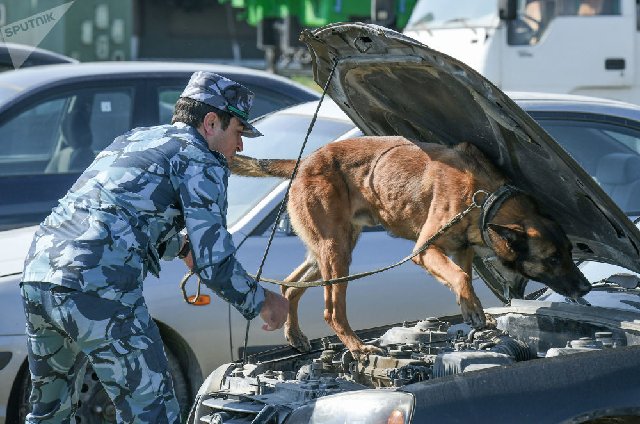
column 553, row 261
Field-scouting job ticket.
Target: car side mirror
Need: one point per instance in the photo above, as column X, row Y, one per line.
column 283, row 226
column 508, row 9
column 628, row 281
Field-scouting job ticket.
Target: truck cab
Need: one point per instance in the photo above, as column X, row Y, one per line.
column 587, row 47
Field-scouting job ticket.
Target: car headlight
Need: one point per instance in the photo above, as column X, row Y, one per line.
column 359, row 407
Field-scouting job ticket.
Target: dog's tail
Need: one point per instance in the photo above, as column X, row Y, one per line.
column 250, row 167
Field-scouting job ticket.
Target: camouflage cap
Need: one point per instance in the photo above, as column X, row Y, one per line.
column 224, row 94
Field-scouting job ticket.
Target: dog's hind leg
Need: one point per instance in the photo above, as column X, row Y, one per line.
column 335, row 254
column 456, row 276
column 321, row 212
column 307, row 271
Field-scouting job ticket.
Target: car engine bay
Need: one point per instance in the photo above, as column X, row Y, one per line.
column 272, row 384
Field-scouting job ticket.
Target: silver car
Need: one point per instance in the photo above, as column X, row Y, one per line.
column 541, row 358
column 55, row 119
column 198, row 339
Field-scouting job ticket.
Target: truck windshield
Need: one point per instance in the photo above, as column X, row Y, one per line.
column 430, row 14
column 535, row 16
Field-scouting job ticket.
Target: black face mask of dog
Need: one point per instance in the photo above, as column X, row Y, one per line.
column 540, row 250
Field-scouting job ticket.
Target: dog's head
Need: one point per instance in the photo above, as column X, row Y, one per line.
column 539, row 249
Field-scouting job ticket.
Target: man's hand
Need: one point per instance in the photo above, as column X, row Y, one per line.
column 185, row 253
column 274, row 311
column 188, row 260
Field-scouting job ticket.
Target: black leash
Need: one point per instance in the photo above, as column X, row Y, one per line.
column 286, row 196
column 189, row 274
column 476, row 202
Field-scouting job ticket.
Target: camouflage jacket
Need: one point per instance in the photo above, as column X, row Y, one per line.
column 125, row 212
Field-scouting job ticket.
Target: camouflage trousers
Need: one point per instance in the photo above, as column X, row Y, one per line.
column 67, row 329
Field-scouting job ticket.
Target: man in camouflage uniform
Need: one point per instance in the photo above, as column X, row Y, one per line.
column 82, row 283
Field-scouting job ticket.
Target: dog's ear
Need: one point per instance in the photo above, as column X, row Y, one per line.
column 511, row 233
column 506, row 239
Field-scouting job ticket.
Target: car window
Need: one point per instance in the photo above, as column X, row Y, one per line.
column 62, row 134
column 610, row 153
column 630, row 140
column 587, row 142
column 111, row 116
column 265, row 101
column 283, row 137
column 167, row 98
column 29, row 139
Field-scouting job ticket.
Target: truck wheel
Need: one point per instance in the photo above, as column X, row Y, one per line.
column 95, row 406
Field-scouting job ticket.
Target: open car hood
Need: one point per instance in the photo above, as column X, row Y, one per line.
column 390, row 84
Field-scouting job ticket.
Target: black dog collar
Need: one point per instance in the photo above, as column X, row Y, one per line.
column 491, row 206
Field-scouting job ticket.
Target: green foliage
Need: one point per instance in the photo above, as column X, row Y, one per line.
column 316, row 13
column 307, row 81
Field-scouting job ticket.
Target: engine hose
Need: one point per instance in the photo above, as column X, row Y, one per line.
column 517, row 349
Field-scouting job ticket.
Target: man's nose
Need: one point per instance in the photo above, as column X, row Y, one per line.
column 240, row 145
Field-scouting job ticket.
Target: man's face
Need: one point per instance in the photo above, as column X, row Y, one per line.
column 228, row 141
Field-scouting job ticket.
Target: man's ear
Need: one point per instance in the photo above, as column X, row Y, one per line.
column 210, row 120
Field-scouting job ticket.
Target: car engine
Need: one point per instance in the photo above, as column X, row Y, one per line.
column 267, row 388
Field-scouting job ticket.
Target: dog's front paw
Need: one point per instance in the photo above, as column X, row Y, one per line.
column 370, row 349
column 297, row 339
column 362, row 352
column 472, row 312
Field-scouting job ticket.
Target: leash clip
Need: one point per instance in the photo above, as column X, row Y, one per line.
column 197, row 299
column 477, row 202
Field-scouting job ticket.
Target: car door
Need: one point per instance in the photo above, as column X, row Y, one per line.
column 49, row 138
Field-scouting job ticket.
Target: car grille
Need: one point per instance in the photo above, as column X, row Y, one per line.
column 218, row 410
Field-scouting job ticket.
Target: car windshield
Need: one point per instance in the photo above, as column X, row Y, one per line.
column 431, row 14
column 283, row 137
column 609, row 153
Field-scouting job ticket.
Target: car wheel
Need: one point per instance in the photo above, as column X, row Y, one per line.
column 95, row 407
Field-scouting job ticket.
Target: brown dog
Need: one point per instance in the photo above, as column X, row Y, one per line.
column 412, row 191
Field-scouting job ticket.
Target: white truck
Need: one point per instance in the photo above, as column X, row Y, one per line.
column 587, row 47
